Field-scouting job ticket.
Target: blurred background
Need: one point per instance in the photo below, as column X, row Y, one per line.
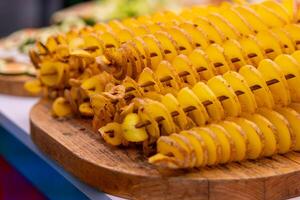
column 18, row 14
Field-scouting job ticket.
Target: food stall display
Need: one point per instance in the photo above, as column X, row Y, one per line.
column 193, row 90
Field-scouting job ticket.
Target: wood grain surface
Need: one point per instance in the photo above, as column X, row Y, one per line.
column 14, row 85
column 126, row 173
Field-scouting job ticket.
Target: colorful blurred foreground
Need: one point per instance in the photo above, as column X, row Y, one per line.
column 13, row 186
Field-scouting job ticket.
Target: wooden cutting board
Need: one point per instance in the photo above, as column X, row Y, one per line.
column 126, row 173
column 14, row 85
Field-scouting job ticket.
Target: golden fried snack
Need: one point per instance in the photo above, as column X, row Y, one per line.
column 209, row 85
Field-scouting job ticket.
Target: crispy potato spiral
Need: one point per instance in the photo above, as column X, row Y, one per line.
column 209, row 85
column 272, row 82
column 231, row 95
column 78, row 54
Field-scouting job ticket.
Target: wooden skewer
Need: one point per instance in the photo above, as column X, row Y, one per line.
column 167, row 51
column 217, row 64
column 201, row 69
column 252, row 55
column 269, row 51
column 181, row 48
column 109, row 46
column 91, row 48
column 234, row 60
column 153, row 54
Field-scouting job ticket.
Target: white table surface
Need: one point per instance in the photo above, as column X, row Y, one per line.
column 15, row 110
column 14, row 116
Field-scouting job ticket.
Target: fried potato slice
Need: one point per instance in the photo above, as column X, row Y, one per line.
column 61, row 107
column 115, row 25
column 52, row 73
column 168, row 77
column 155, row 50
column 152, row 87
column 170, row 148
column 213, row 33
column 294, row 31
column 102, row 27
column 239, row 137
column 199, row 145
column 112, row 133
column 212, row 142
column 224, row 25
column 187, row 14
column 173, row 106
column 168, row 44
column 158, row 110
column 200, row 10
column 254, row 52
column 191, row 159
column 130, row 132
column 286, row 137
column 144, row 51
column 216, row 54
column 293, row 118
column 291, row 69
column 239, row 85
column 86, row 110
column 269, row 43
column 296, row 55
column 145, row 115
column 202, row 64
column 228, row 149
column 92, row 85
column 154, row 27
column 268, row 16
column 140, row 30
column 185, row 70
column 237, row 20
column 93, row 45
column 254, row 20
column 269, row 131
column 285, row 40
column 234, row 54
column 132, row 89
column 51, row 44
column 125, row 34
column 198, row 35
column 187, row 99
column 278, row 8
column 225, row 93
column 183, row 39
column 109, row 40
column 290, row 6
column 205, row 94
column 255, row 80
column 165, row 161
column 280, row 90
column 255, row 137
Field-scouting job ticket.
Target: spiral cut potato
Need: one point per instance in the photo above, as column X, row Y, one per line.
column 66, row 61
column 186, row 71
column 231, row 95
column 204, row 64
column 252, row 136
column 210, row 85
column 148, row 50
